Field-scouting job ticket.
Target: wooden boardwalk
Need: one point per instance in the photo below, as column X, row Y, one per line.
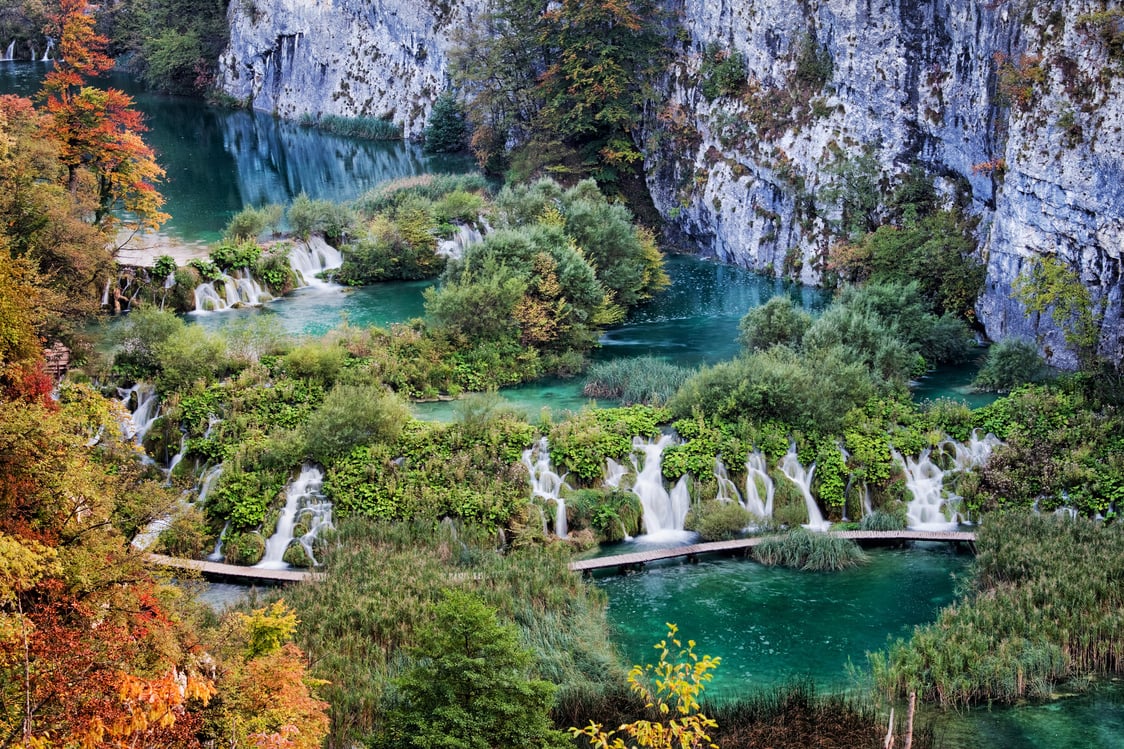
column 627, row 561
column 219, row 571
column 237, row 572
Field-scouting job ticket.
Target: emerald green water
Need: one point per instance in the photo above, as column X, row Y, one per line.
column 772, row 625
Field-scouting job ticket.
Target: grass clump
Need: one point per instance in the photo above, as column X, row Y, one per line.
column 882, row 521
column 366, row 128
column 643, row 379
column 803, row 550
column 1045, row 607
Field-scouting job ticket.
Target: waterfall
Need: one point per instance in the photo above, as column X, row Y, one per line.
column 727, row 490
column 797, row 474
column 105, row 292
column 465, row 236
column 210, row 478
column 311, row 258
column 176, row 459
column 546, row 483
column 239, row 290
column 756, row 468
column 663, row 511
column 151, row 532
column 140, row 420
column 10, row 52
column 216, row 555
column 319, row 515
column 47, row 51
column 930, row 508
column 302, row 496
column 614, row 473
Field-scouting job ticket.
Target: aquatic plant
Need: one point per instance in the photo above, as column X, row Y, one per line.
column 1045, row 606
column 643, row 379
column 717, row 521
column 803, row 550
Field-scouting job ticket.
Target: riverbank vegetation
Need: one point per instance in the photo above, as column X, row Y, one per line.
column 1044, row 607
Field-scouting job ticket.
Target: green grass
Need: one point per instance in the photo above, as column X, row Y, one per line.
column 804, row 550
column 367, row 128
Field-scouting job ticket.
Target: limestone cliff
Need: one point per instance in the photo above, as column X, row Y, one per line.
column 355, row 58
column 911, row 81
column 742, row 174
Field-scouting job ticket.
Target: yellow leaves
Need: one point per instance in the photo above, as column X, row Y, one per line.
column 678, row 684
column 23, row 563
column 267, row 629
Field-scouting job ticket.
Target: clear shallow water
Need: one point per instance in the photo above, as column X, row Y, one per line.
column 771, row 625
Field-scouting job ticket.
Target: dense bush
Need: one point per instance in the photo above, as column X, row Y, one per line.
column 778, row 321
column 723, row 73
column 717, row 521
column 307, row 216
column 1010, row 363
column 351, row 416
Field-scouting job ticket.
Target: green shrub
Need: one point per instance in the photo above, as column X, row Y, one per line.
column 139, row 339
column 190, row 354
column 307, row 217
column 228, row 256
column 1010, row 363
column 801, row 549
column 318, row 361
column 714, row 520
column 778, row 321
column 723, row 73
column 246, row 225
column 351, row 416
column 610, row 513
column 243, row 548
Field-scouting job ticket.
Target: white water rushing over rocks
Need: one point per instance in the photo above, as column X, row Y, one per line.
column 302, row 500
column 933, row 507
column 547, row 484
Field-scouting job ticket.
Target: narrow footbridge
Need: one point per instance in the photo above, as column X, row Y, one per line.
column 638, row 559
column 251, row 575
column 235, row 572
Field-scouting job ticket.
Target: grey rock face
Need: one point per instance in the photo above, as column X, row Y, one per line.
column 354, row 58
column 747, row 178
column 912, row 81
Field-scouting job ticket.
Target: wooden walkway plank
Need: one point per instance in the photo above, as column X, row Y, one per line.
column 621, row 561
column 655, row 555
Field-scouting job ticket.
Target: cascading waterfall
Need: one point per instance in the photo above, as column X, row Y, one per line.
column 614, row 473
column 727, row 490
column 757, row 470
column 802, row 477
column 216, row 554
column 314, row 257
column 932, row 508
column 546, row 483
column 176, row 458
column 302, row 497
column 10, row 52
column 140, row 419
column 210, row 478
column 664, row 511
column 47, row 52
column 465, row 236
column 239, row 289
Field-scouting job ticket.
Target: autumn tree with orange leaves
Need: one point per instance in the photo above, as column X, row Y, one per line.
column 98, row 130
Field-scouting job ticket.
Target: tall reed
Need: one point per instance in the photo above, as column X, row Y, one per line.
column 1046, row 605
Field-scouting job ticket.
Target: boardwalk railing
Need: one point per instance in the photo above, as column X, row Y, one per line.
column 620, row 561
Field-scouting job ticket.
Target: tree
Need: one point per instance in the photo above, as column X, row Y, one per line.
column 1050, row 285
column 471, row 687
column 778, row 321
column 672, row 688
column 602, row 52
column 446, row 130
column 97, row 129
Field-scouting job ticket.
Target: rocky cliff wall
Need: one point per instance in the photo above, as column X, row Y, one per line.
column 911, row 81
column 354, row 58
column 745, row 177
